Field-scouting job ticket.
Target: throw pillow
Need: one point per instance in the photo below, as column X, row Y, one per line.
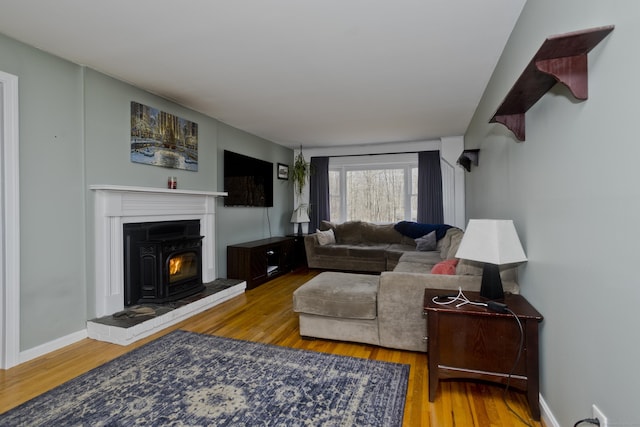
column 416, row 229
column 445, row 267
column 427, row 242
column 325, row 237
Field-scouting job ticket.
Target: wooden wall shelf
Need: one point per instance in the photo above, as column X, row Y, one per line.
column 561, row 58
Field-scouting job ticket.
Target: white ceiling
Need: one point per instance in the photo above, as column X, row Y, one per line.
column 297, row 72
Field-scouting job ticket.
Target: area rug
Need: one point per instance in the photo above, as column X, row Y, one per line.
column 189, row 379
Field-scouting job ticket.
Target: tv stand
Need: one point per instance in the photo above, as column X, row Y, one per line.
column 259, row 261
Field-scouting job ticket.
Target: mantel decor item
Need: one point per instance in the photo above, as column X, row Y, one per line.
column 162, row 139
column 494, row 242
column 283, row 171
column 300, row 172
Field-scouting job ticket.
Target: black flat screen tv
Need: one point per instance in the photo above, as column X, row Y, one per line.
column 249, row 181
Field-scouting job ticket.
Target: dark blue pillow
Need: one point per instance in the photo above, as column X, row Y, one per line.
column 416, row 229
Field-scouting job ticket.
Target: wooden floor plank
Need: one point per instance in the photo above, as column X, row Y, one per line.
column 265, row 314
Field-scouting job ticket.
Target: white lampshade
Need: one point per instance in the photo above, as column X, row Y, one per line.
column 493, row 241
column 300, row 215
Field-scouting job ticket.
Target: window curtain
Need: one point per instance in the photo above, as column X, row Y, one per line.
column 430, row 209
column 318, row 192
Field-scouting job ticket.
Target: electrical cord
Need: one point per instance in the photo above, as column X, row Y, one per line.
column 461, row 299
column 593, row 421
column 268, row 220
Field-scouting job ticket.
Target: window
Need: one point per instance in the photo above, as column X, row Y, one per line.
column 378, row 189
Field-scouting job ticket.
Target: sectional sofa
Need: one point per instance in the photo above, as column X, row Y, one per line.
column 380, row 300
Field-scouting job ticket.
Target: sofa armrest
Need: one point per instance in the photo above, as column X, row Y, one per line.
column 401, row 322
column 310, row 243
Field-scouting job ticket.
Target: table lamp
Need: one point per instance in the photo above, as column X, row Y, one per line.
column 494, row 242
column 300, row 216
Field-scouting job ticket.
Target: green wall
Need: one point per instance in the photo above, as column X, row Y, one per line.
column 74, row 132
column 572, row 190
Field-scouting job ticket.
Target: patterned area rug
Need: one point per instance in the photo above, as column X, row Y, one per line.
column 189, row 379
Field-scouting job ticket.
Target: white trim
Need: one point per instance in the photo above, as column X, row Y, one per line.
column 545, row 414
column 54, row 345
column 118, row 205
column 9, row 224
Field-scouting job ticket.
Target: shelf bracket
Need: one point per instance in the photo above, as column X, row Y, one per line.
column 468, row 158
column 570, row 71
column 561, row 58
column 513, row 122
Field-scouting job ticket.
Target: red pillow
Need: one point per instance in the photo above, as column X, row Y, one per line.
column 447, row 266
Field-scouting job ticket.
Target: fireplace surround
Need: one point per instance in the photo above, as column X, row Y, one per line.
column 115, row 206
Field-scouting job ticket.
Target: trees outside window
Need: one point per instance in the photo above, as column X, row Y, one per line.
column 381, row 192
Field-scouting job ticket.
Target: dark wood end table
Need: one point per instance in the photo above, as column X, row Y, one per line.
column 473, row 342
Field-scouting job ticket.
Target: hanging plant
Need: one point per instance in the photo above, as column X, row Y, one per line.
column 300, row 172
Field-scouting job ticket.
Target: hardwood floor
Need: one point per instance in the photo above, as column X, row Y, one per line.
column 264, row 314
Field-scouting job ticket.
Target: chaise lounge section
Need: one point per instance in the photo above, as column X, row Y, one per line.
column 386, row 309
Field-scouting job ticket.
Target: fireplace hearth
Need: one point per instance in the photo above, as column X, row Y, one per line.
column 162, row 261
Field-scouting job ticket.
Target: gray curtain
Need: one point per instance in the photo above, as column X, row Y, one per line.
column 429, row 188
column 318, row 192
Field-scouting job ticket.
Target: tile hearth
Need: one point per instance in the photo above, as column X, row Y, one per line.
column 139, row 321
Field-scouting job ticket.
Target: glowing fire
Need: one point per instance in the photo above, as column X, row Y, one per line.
column 175, row 265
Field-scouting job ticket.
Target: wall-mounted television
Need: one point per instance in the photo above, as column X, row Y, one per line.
column 247, row 180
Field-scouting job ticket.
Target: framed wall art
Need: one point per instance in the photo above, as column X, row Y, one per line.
column 162, row 139
column 283, row 171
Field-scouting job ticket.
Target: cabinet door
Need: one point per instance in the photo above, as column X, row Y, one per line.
column 258, row 267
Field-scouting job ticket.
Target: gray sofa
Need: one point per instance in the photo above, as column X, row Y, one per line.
column 386, row 309
column 359, row 246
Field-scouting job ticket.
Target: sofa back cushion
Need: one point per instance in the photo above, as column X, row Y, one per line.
column 380, row 233
column 449, row 244
column 349, row 232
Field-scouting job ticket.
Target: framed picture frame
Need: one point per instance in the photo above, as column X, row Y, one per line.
column 283, row 171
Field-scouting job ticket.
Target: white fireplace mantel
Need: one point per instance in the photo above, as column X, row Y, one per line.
column 117, row 205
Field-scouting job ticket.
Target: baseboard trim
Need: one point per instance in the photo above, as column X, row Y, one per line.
column 545, row 414
column 50, row 346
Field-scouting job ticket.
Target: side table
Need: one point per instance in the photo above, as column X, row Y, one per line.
column 473, row 342
column 299, row 252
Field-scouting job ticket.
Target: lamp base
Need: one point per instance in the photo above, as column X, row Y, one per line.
column 299, row 229
column 491, row 287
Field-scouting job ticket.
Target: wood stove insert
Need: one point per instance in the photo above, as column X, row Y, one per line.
column 162, row 261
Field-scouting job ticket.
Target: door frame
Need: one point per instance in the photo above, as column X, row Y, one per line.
column 9, row 223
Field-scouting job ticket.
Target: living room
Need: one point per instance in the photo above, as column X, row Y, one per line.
column 570, row 189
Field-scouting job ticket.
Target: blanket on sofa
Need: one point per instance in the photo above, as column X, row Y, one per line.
column 416, row 229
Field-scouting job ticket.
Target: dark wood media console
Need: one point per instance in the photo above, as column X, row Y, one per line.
column 261, row 260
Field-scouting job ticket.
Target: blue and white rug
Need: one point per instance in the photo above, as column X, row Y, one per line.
column 189, row 379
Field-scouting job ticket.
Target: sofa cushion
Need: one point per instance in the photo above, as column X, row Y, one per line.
column 333, row 250
column 469, row 268
column 456, row 238
column 380, row 233
column 368, row 251
column 349, row 232
column 427, row 259
column 334, row 294
column 445, row 242
column 412, row 267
